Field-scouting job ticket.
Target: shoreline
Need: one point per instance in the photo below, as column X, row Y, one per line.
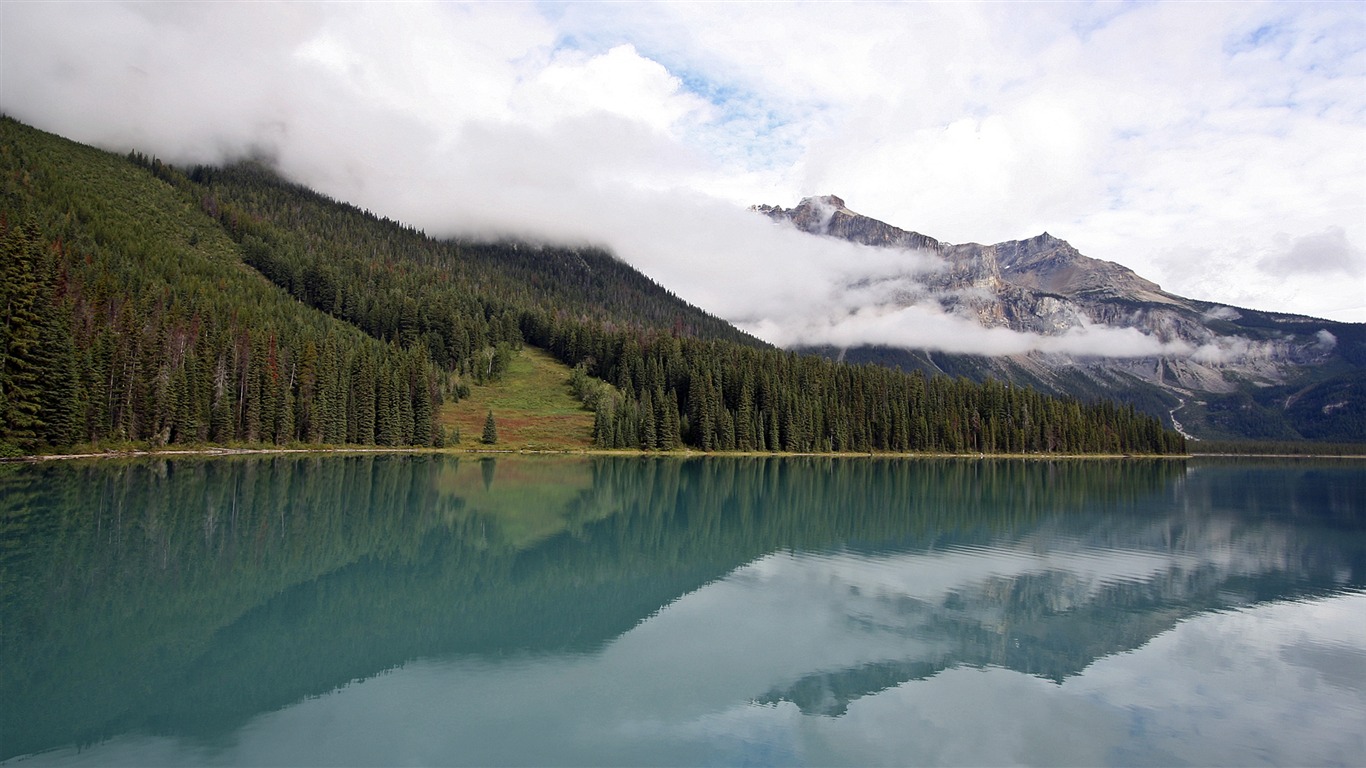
column 137, row 453
column 229, row 451
column 1277, row 455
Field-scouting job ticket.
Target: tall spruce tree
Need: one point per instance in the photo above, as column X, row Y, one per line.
column 490, row 435
column 21, row 385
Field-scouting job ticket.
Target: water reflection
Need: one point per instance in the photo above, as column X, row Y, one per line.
column 656, row 611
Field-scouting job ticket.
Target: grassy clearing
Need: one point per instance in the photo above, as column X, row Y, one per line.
column 532, row 407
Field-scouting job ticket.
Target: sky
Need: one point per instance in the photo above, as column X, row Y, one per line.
column 1216, row 148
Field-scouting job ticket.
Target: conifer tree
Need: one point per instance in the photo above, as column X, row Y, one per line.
column 363, row 395
column 669, row 431
column 602, row 423
column 387, row 408
column 649, row 436
column 490, row 431
column 63, row 398
column 425, row 430
column 21, row 386
column 406, row 422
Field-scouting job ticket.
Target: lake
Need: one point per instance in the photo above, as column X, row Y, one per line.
column 385, row 609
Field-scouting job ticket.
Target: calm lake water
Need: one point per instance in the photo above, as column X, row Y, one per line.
column 434, row 610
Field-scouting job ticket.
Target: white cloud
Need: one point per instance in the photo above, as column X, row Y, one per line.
column 1214, row 148
column 1222, row 313
column 618, row 82
column 1324, row 253
column 927, row 326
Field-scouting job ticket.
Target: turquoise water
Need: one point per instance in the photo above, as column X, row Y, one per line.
column 432, row 610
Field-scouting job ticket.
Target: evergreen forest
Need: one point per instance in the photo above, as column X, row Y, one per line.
column 148, row 304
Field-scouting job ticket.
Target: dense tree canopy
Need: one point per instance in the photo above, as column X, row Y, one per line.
column 131, row 317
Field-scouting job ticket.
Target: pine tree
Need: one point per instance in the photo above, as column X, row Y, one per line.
column 220, row 414
column 425, row 431
column 490, row 431
column 387, row 408
column 63, row 398
column 669, row 431
column 649, row 436
column 284, row 413
column 602, row 423
column 255, row 395
column 363, row 395
column 406, row 422
column 21, row 386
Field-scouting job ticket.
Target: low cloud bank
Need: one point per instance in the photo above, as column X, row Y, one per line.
column 794, row 289
column 927, row 327
column 485, row 120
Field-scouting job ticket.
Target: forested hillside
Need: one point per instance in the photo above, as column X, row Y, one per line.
column 130, row 316
column 145, row 303
column 398, row 284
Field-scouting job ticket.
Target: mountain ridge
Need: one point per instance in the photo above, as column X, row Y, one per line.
column 1221, row 362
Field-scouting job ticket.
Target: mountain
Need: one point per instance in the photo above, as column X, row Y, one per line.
column 152, row 305
column 1212, row 370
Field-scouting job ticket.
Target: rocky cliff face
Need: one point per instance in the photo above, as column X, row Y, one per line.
column 827, row 215
column 1232, row 372
column 1038, row 285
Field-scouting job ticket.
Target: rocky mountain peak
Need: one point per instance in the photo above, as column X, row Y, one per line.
column 825, row 201
column 1233, row 367
column 1047, row 241
column 829, row 216
column 1042, row 263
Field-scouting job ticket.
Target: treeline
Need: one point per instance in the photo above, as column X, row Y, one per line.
column 147, row 284
column 670, row 391
column 126, row 319
column 1277, row 448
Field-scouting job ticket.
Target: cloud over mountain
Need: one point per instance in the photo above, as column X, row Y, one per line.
column 1227, row 167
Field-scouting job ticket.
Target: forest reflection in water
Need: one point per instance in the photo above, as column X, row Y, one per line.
column 176, row 610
